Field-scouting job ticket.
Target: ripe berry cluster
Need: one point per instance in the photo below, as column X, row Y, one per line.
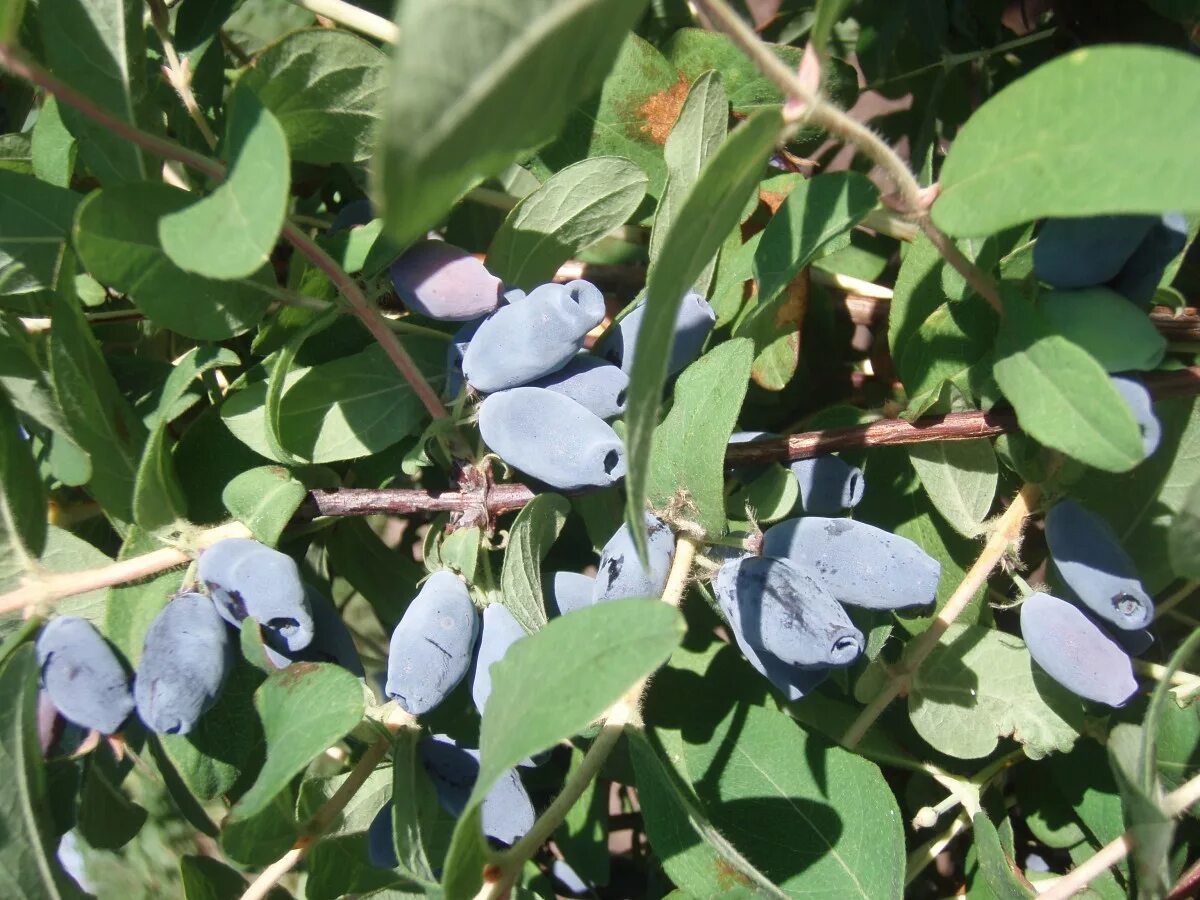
column 189, row 647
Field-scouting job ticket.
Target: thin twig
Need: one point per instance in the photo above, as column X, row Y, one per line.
column 1174, row 804
column 19, row 64
column 1007, row 531
column 178, row 73
column 353, row 17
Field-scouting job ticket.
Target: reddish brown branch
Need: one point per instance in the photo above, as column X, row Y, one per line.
column 502, row 498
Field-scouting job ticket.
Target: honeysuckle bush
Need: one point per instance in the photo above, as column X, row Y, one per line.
column 201, row 339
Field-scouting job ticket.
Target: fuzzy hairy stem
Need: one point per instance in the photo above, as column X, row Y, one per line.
column 1007, row 532
column 811, row 107
column 1174, row 804
column 19, row 64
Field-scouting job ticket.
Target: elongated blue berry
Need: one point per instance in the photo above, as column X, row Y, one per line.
column 331, row 643
column 1139, row 277
column 507, row 811
column 857, row 563
column 1075, row 651
column 500, row 631
column 246, row 578
column 693, row 323
column 1082, row 252
column 828, row 485
column 381, row 848
column 535, row 336
column 567, row 592
column 186, row 657
column 1088, row 556
column 551, row 438
column 597, row 386
column 431, row 648
column 82, row 675
column 1141, row 404
column 782, row 612
column 445, row 282
column 621, row 573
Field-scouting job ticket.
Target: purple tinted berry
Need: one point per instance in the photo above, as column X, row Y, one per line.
column 568, row 591
column 782, row 613
column 1141, row 404
column 331, row 643
column 445, row 282
column 186, row 657
column 857, row 563
column 500, row 631
column 381, row 848
column 551, row 438
column 535, row 336
column 1140, row 276
column 431, row 648
column 1078, row 253
column 828, row 485
column 1091, row 561
column 1075, row 651
column 692, row 325
column 82, row 675
column 507, row 811
column 597, row 386
column 621, row 573
column 246, row 578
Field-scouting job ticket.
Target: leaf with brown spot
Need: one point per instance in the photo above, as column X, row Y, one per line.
column 661, row 110
column 775, row 328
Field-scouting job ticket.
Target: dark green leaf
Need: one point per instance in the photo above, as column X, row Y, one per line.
column 339, row 867
column 995, row 176
column 359, row 812
column 1062, row 396
column 205, row 878
column 158, row 501
column 570, row 212
column 960, row 479
column 35, row 220
column 96, row 47
column 826, row 15
column 28, row 865
column 264, row 499
column 116, row 234
column 175, row 397
column 708, row 213
column 1184, row 535
column 262, row 838
column 22, row 496
column 536, row 528
column 325, row 87
column 230, row 233
column 1149, row 825
column 473, row 85
column 688, row 457
column 420, row 827
column 305, row 709
column 108, row 819
column 1003, row 877
column 815, row 212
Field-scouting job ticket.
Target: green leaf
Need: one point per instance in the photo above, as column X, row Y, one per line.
column 979, row 685
column 474, row 84
column 695, row 855
column 815, row 212
column 340, row 867
column 767, row 498
column 570, row 212
column 53, row 146
column 29, row 866
column 101, row 420
column 1002, row 875
column 583, row 836
column 158, row 501
column 277, row 380
column 354, row 406
column 108, row 819
column 97, row 47
column 825, row 16
column 1045, row 145
column 819, row 821
column 709, row 212
column 960, row 478
column 774, row 327
column 1184, row 535
column 175, row 399
column 305, row 709
column 116, row 234
column 597, row 654
column 22, row 495
column 359, row 812
column 258, row 840
column 325, row 87
column 230, row 233
column 457, row 550
column 1062, row 396
column 420, row 827
column 1149, row 825
column 264, row 499
column 1120, row 336
column 695, row 136
column 205, row 878
column 10, row 21
column 688, row 457
column 35, row 219
column 386, row 578
column 536, row 528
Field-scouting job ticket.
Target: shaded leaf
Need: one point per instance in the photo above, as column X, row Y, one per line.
column 536, row 528
column 960, row 479
column 35, row 220
column 264, row 499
